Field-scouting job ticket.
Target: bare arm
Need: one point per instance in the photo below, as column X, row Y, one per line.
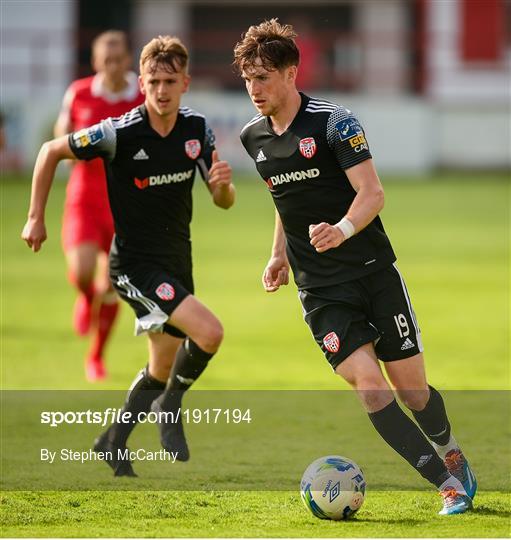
column 220, row 183
column 366, row 205
column 62, row 125
column 370, row 199
column 34, row 232
column 276, row 272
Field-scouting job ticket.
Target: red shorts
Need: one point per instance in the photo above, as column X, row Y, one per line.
column 85, row 223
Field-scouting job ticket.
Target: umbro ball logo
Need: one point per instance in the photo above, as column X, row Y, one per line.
column 308, row 147
column 335, row 491
column 193, row 148
column 165, row 291
column 331, row 342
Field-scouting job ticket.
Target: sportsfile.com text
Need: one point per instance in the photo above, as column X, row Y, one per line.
column 111, row 415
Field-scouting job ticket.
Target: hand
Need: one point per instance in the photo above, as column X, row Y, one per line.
column 275, row 274
column 34, row 234
column 324, row 237
column 220, row 172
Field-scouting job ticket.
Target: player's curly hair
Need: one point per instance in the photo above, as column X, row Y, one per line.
column 164, row 52
column 271, row 42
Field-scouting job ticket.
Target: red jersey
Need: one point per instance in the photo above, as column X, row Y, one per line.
column 85, row 103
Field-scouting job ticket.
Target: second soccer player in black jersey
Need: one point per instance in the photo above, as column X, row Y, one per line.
column 151, row 155
column 315, row 159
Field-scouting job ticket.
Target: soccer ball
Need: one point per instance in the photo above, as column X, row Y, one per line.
column 333, row 487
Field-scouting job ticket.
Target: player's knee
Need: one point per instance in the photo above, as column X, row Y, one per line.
column 161, row 371
column 371, row 383
column 375, row 399
column 415, row 400
column 372, row 389
column 81, row 272
column 83, row 281
column 211, row 337
column 364, row 380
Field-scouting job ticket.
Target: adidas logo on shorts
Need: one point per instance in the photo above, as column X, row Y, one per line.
column 408, row 344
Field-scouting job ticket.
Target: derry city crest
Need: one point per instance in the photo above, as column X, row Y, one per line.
column 331, row 342
column 193, row 148
column 308, row 147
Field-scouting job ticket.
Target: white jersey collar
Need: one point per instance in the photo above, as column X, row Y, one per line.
column 128, row 94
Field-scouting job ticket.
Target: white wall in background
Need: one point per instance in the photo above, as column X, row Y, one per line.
column 406, row 135
column 36, row 65
column 449, row 79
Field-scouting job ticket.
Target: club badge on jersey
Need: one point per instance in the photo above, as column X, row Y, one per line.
column 165, row 291
column 308, row 147
column 193, row 148
column 331, row 342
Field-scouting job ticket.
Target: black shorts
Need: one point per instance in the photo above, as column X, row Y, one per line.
column 153, row 293
column 375, row 308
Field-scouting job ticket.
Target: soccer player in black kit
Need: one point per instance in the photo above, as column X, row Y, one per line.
column 151, row 155
column 314, row 157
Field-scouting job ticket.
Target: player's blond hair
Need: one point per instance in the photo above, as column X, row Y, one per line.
column 270, row 43
column 111, row 38
column 166, row 52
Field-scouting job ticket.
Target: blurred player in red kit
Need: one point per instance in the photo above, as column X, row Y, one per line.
column 87, row 225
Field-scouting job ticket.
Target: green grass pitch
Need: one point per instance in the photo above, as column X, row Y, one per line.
column 451, row 235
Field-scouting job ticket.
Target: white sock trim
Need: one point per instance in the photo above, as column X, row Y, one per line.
column 443, row 450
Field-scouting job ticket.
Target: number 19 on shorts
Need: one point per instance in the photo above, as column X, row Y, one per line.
column 402, row 325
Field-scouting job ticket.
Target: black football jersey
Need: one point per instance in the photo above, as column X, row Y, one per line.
column 304, row 171
column 150, row 180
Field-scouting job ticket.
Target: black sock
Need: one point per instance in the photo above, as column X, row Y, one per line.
column 403, row 435
column 144, row 390
column 433, row 419
column 189, row 363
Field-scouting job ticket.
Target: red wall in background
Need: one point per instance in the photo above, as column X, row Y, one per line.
column 483, row 30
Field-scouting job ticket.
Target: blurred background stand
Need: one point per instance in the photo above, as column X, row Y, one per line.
column 429, row 79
